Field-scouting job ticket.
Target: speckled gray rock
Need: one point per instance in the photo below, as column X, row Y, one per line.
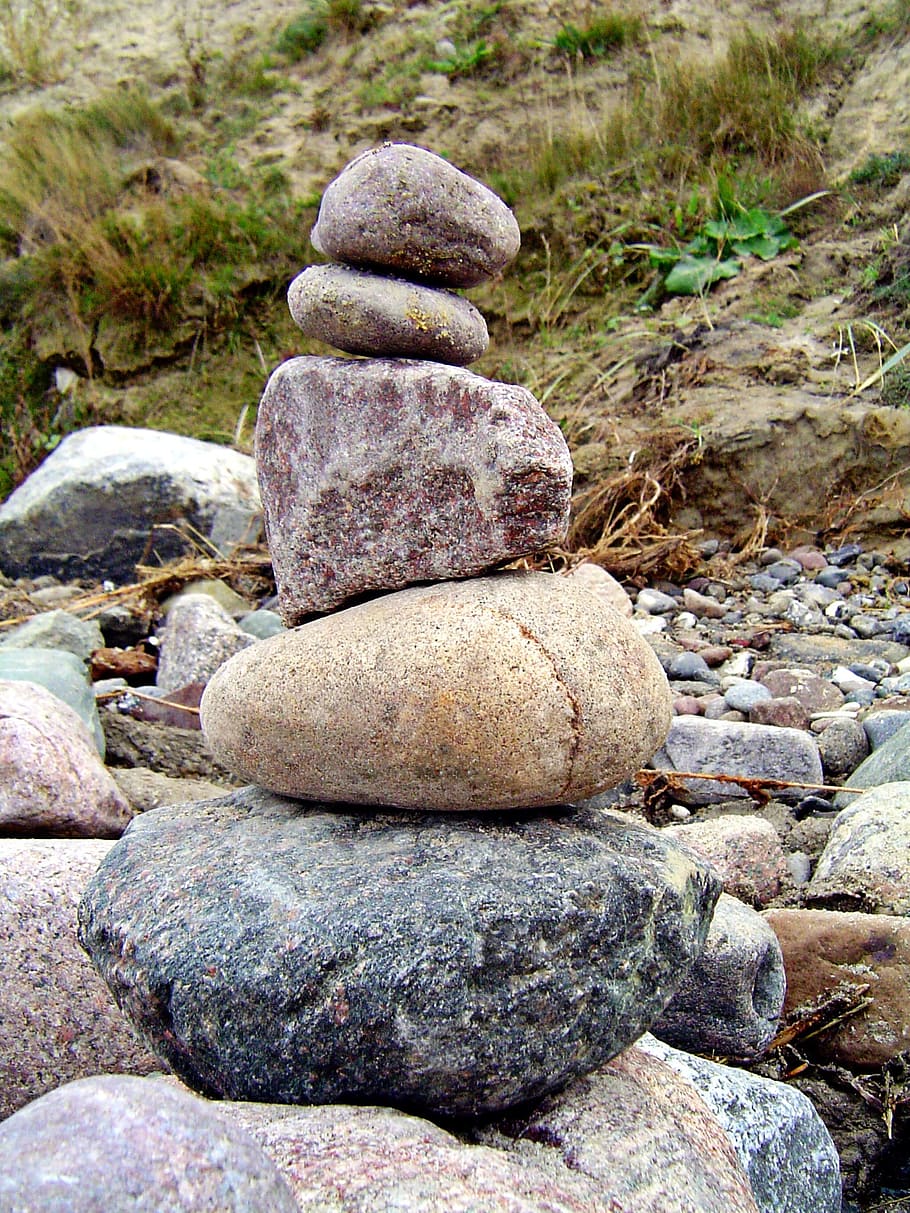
column 64, row 675
column 364, row 313
column 108, row 497
column 729, row 747
column 199, row 636
column 512, row 691
column 51, row 778
column 58, row 1020
column 866, row 861
column 403, row 210
column 380, row 472
column 347, row 1159
column 641, row 1133
column 787, row 1152
column 888, row 763
column 118, row 1143
column 55, row 630
column 843, row 745
column 731, row 1001
column 453, row 964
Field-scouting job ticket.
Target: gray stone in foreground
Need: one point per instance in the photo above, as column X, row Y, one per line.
column 199, row 636
column 888, row 763
column 515, row 691
column 381, row 472
column 109, row 497
column 365, row 313
column 404, row 210
column 731, row 1001
column 787, row 1152
column 756, row 751
column 641, row 1133
column 350, row 1159
column 864, row 865
column 58, row 1020
column 457, row 965
column 118, row 1144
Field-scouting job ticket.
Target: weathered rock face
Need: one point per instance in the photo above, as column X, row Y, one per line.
column 458, row 965
column 367, row 314
column 382, row 472
column 731, row 1001
column 198, row 637
column 641, row 1134
column 727, row 747
column 51, row 778
column 822, row 950
column 503, row 692
column 109, row 497
column 120, row 1143
column 403, row 210
column 376, row 1160
column 864, row 864
column 61, row 673
column 745, row 852
column 778, row 1136
column 58, row 1020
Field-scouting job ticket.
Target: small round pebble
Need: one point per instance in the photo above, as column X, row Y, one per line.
column 843, row 746
column 743, row 696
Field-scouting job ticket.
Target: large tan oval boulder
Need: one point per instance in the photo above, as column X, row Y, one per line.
column 499, row 692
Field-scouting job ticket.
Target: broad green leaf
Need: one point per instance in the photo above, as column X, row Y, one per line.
column 765, row 247
column 693, row 275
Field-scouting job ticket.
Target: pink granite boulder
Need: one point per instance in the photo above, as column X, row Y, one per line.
column 379, row 472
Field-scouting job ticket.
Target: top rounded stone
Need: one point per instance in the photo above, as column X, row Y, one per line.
column 403, row 210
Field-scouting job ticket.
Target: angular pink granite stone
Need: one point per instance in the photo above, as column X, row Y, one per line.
column 376, row 473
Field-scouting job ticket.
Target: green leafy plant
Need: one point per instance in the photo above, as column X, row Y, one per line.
column 303, row 36
column 466, row 60
column 716, row 251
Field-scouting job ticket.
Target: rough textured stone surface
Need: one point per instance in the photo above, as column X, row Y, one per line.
column 51, row 778
column 119, row 1143
column 843, row 745
column 642, row 1134
column 404, row 210
column 888, row 763
column 778, row 1136
column 823, row 949
column 58, row 1020
column 347, row 1159
column 379, row 472
column 866, row 861
column 816, row 694
column 145, row 789
column 732, row 748
column 55, row 630
column 513, row 691
column 454, row 964
column 199, row 636
column 64, row 675
column 364, row 313
column 745, row 852
column 731, row 1001
column 108, row 497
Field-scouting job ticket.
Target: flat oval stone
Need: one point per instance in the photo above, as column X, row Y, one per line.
column 379, row 472
column 406, row 211
column 364, row 313
column 454, row 964
column 499, row 692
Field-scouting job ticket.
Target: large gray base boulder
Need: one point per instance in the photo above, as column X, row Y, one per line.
column 110, row 497
column 459, row 965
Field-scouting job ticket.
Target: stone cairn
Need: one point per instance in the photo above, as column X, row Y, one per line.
column 411, row 905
